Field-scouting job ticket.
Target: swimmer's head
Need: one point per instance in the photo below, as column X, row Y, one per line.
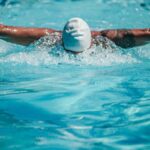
column 76, row 35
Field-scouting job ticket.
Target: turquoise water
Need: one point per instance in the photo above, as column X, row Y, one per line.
column 53, row 100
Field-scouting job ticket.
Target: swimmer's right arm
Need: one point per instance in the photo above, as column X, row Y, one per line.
column 23, row 35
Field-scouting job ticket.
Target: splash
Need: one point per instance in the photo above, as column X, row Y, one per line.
column 49, row 50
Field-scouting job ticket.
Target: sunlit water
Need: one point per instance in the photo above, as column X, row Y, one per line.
column 50, row 99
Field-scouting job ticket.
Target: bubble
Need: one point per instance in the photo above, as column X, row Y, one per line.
column 49, row 50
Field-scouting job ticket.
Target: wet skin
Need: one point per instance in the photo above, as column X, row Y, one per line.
column 124, row 38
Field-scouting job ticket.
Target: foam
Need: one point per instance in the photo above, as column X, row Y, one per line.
column 46, row 51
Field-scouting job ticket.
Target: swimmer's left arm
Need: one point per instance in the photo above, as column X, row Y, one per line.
column 126, row 38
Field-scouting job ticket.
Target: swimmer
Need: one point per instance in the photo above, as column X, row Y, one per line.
column 76, row 35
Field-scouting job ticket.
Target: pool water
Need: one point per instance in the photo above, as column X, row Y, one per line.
column 50, row 99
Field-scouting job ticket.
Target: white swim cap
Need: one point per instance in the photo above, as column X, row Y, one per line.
column 76, row 35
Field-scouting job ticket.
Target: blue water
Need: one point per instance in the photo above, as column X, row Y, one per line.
column 53, row 100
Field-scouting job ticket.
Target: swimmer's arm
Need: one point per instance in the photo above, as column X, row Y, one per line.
column 23, row 35
column 126, row 38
